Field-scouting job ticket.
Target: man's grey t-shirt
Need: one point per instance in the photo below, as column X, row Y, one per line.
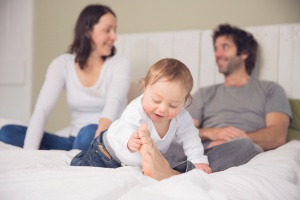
column 242, row 107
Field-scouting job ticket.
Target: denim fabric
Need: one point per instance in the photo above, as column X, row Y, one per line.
column 51, row 141
column 15, row 135
column 185, row 166
column 94, row 156
column 85, row 137
column 234, row 153
column 230, row 154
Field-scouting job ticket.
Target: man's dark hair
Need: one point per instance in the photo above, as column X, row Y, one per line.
column 244, row 41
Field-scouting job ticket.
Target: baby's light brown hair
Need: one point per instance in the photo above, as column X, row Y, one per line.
column 170, row 69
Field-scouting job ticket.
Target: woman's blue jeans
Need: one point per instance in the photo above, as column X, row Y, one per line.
column 15, row 135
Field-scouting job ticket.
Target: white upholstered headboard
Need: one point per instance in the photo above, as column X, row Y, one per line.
column 278, row 59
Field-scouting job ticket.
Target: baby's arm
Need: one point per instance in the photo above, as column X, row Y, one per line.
column 204, row 167
column 134, row 143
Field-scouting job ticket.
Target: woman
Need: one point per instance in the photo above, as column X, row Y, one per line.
column 96, row 82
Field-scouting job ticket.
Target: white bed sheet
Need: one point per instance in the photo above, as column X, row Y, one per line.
column 26, row 174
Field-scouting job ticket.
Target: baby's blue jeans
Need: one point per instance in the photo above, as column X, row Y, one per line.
column 98, row 156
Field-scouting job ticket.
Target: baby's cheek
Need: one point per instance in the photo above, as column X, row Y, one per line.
column 173, row 114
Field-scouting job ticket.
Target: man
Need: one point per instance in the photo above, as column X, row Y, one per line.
column 242, row 109
column 237, row 119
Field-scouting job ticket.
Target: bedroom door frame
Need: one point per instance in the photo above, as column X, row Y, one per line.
column 16, row 22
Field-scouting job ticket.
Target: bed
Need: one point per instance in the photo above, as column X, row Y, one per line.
column 47, row 175
column 274, row 174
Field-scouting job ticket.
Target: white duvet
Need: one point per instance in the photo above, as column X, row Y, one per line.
column 47, row 175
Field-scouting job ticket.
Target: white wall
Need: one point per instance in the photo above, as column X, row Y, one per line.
column 15, row 58
column 55, row 19
column 278, row 55
column 53, row 22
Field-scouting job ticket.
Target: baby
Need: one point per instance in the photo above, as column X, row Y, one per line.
column 149, row 124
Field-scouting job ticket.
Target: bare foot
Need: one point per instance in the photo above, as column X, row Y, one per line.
column 153, row 163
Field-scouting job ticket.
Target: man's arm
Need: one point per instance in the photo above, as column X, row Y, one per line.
column 274, row 135
column 270, row 137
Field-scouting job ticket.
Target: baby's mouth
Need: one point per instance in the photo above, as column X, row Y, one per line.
column 158, row 116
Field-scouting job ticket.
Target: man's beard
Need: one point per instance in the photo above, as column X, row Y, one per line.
column 234, row 63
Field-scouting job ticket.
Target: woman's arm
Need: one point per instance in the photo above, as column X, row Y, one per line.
column 104, row 123
column 50, row 91
column 116, row 98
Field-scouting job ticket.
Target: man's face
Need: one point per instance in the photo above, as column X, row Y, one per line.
column 225, row 54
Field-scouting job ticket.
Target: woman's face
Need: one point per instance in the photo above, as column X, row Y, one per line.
column 103, row 35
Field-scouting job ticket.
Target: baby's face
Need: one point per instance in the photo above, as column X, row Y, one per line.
column 163, row 100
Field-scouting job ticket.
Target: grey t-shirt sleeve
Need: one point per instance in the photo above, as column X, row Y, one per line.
column 196, row 107
column 277, row 100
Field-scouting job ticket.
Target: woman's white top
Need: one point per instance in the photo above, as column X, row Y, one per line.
column 182, row 127
column 107, row 98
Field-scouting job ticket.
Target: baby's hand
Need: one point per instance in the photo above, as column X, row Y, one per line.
column 134, row 143
column 203, row 167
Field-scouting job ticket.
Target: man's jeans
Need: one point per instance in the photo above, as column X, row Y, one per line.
column 234, row 153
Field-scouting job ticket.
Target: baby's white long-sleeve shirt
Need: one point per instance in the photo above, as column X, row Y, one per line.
column 182, row 127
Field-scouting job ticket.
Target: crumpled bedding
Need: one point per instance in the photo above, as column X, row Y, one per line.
column 32, row 174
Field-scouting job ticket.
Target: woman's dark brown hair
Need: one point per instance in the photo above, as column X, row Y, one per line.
column 82, row 44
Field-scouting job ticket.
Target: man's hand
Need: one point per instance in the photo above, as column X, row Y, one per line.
column 220, row 134
column 228, row 133
column 224, row 134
